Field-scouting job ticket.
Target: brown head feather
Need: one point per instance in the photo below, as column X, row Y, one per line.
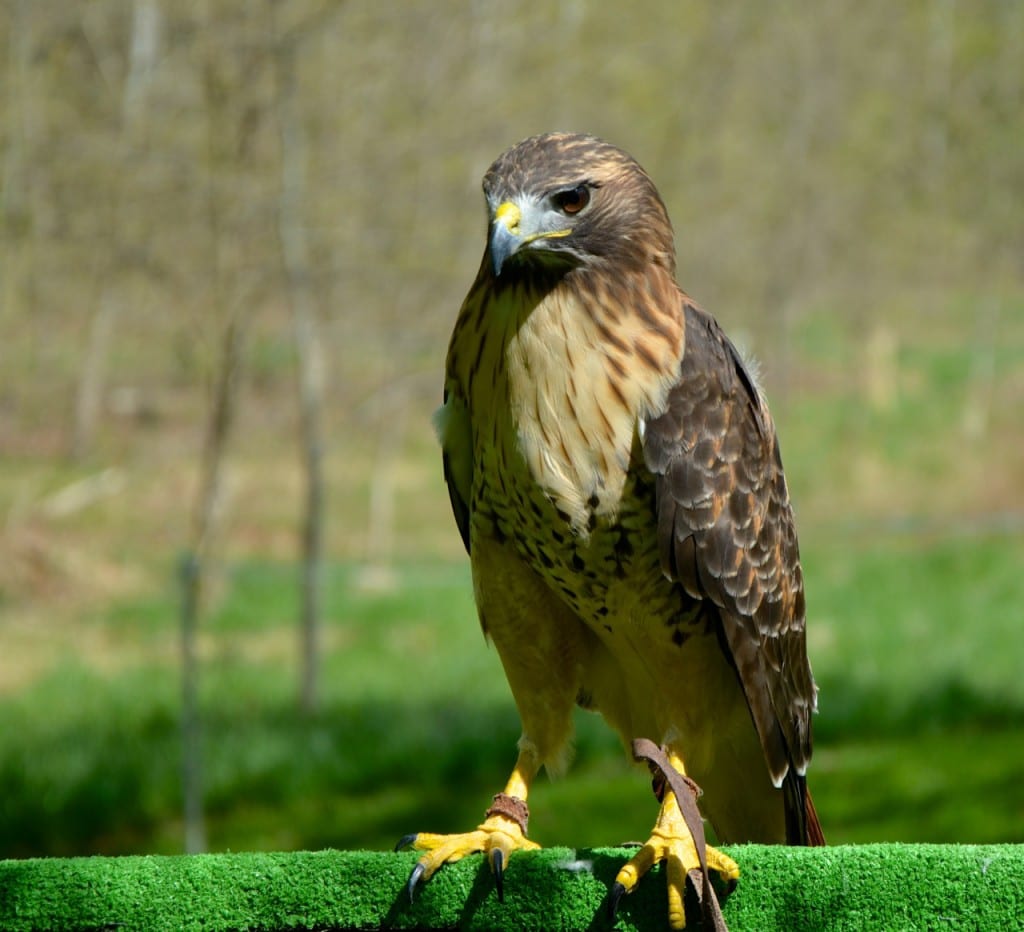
column 627, row 221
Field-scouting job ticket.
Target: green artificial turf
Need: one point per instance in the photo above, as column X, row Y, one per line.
column 843, row 887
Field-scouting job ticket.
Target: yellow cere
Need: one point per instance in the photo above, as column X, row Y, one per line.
column 508, row 214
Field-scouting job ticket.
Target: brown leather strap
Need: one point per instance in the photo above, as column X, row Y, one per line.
column 711, row 912
column 512, row 807
column 686, row 793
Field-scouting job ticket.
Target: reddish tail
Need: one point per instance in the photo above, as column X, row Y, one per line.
column 815, row 836
column 802, row 825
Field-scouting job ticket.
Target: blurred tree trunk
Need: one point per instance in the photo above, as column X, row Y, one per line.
column 89, row 393
column 143, row 57
column 142, row 60
column 209, row 497
column 295, row 258
column 16, row 215
column 941, row 44
column 194, row 571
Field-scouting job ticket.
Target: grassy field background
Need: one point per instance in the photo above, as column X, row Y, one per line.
column 846, row 185
column 914, row 635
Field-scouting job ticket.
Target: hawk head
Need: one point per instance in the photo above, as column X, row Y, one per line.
column 563, row 200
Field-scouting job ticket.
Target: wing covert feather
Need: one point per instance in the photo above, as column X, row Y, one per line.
column 726, row 532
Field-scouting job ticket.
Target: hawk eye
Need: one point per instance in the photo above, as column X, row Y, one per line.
column 573, row 200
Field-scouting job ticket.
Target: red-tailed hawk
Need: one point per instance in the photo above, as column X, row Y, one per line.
column 616, row 478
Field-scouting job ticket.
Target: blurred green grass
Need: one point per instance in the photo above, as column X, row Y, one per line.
column 912, row 550
column 874, row 272
column 918, row 735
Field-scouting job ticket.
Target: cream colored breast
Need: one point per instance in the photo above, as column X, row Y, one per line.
column 580, row 380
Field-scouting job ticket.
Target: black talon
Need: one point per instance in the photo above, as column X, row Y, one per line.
column 613, row 899
column 498, row 864
column 410, row 887
column 405, row 841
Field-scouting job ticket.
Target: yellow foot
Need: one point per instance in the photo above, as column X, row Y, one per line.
column 672, row 843
column 497, row 837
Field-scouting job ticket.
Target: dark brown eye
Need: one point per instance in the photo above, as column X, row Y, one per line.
column 574, row 200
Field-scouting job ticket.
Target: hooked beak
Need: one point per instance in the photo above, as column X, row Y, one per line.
column 506, row 236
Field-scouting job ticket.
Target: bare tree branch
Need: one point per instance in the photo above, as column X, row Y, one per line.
column 295, row 256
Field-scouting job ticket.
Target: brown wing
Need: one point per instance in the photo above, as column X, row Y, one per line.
column 458, row 492
column 726, row 533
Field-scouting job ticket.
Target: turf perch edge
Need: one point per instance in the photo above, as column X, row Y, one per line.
column 883, row 886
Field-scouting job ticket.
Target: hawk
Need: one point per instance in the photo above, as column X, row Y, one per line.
column 616, row 478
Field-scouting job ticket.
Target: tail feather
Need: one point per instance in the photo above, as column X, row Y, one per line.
column 802, row 825
column 815, row 836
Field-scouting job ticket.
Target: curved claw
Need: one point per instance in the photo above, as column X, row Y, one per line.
column 498, row 864
column 613, row 899
column 405, row 841
column 414, row 878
